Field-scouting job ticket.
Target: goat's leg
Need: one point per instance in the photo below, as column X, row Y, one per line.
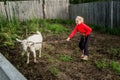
column 34, row 54
column 40, row 53
column 28, row 55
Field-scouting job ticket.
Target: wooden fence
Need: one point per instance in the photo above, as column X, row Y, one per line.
column 99, row 13
column 57, row 9
column 35, row 9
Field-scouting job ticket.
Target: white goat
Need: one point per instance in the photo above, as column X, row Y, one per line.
column 31, row 44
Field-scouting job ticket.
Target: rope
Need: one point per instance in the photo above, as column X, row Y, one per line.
column 56, row 41
column 47, row 42
column 52, row 42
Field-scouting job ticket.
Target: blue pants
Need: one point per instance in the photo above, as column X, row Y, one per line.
column 83, row 44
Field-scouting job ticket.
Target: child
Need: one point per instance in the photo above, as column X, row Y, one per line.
column 85, row 32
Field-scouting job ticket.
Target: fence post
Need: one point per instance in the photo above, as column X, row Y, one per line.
column 4, row 2
column 44, row 9
column 5, row 5
column 111, row 14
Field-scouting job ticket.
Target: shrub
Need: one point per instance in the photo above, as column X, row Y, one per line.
column 8, row 31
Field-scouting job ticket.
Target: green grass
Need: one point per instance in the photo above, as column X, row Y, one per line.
column 65, row 58
column 55, row 28
column 9, row 30
column 115, row 66
column 54, row 70
column 101, row 64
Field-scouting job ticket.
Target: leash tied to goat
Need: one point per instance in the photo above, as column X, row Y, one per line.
column 51, row 42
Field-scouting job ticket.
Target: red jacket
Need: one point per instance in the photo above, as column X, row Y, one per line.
column 82, row 28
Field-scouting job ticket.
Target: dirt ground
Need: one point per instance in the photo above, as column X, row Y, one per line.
column 75, row 69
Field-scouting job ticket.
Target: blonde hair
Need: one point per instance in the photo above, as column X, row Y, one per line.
column 80, row 18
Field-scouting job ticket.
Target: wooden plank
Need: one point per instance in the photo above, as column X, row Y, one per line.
column 8, row 71
column 3, row 75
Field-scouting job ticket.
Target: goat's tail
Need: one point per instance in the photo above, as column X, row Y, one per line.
column 38, row 32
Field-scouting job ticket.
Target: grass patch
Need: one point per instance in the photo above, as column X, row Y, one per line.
column 65, row 58
column 55, row 28
column 101, row 64
column 115, row 66
column 54, row 70
column 8, row 31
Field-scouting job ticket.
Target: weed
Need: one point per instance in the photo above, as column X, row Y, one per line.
column 55, row 28
column 8, row 30
column 3, row 21
column 115, row 66
column 114, row 53
column 65, row 58
column 101, row 64
column 6, row 39
column 54, row 70
column 32, row 25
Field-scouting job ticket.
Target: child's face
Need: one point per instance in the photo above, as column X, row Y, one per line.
column 77, row 21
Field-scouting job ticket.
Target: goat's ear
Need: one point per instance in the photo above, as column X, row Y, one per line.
column 18, row 40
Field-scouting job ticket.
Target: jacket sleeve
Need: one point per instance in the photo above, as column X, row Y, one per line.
column 73, row 32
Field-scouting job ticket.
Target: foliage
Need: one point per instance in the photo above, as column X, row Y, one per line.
column 115, row 66
column 54, row 70
column 10, row 30
column 55, row 28
column 65, row 58
column 101, row 64
column 31, row 26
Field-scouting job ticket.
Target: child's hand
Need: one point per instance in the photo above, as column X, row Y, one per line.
column 83, row 34
column 68, row 39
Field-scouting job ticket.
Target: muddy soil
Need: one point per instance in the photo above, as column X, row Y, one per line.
column 75, row 69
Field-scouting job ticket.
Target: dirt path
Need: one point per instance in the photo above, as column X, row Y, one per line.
column 76, row 69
